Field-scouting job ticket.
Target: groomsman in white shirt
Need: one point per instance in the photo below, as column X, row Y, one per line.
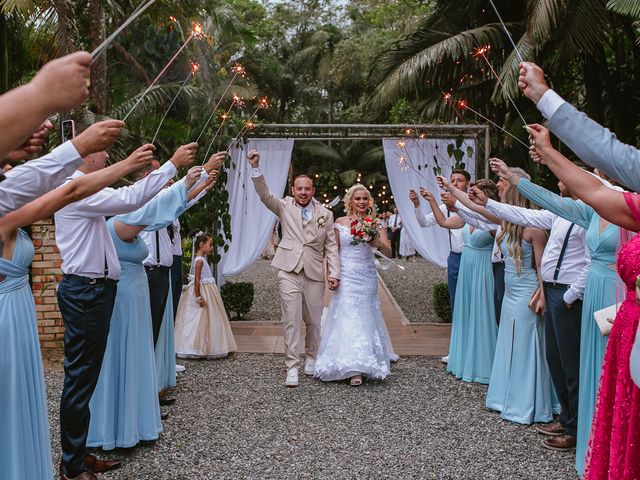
column 86, row 294
column 394, row 228
column 565, row 264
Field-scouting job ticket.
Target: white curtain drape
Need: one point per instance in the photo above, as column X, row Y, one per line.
column 431, row 243
column 251, row 223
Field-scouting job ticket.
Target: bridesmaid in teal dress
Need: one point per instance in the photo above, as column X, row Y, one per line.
column 25, row 445
column 520, row 387
column 474, row 330
column 600, row 292
column 124, row 407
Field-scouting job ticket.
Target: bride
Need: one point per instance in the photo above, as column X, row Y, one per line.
column 354, row 340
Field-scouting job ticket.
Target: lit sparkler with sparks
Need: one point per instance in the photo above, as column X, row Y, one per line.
column 196, row 33
column 481, row 52
column 238, row 71
column 263, row 102
column 195, row 67
column 236, row 101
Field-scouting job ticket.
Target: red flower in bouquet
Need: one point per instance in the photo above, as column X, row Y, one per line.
column 364, row 230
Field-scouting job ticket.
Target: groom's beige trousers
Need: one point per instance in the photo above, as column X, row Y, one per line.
column 301, row 299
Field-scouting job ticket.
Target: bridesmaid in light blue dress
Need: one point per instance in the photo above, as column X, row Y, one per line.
column 25, row 444
column 474, row 330
column 600, row 292
column 165, row 354
column 124, row 407
column 521, row 387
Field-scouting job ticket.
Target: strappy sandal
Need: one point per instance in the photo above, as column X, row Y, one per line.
column 356, row 381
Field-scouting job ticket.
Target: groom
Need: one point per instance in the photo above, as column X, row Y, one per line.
column 307, row 239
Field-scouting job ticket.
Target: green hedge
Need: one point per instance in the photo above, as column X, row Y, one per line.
column 441, row 301
column 237, row 298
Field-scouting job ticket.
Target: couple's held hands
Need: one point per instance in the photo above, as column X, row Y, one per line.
column 254, row 158
column 334, row 283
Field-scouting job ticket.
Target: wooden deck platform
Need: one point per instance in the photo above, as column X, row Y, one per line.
column 408, row 339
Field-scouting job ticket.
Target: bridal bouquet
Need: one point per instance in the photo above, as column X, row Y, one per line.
column 364, row 230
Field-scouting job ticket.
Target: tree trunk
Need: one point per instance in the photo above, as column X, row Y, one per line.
column 593, row 86
column 98, row 91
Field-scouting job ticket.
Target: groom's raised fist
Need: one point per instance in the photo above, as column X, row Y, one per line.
column 254, row 158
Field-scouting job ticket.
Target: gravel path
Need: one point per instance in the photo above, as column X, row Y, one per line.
column 413, row 288
column 235, row 420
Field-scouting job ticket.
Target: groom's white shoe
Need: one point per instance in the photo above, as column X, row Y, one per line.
column 292, row 377
column 309, row 366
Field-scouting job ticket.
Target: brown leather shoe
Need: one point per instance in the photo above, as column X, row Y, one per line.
column 555, row 429
column 83, row 476
column 96, row 465
column 564, row 443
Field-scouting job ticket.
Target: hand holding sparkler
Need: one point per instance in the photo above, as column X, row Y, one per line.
column 427, row 195
column 477, row 196
column 444, row 183
column 63, row 83
column 185, row 155
column 449, row 201
column 192, row 176
column 540, row 143
column 98, row 137
column 502, row 170
column 531, row 81
column 215, row 162
column 413, row 196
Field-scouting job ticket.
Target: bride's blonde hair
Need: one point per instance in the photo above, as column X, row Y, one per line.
column 348, row 198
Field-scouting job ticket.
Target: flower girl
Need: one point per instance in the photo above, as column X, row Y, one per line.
column 202, row 327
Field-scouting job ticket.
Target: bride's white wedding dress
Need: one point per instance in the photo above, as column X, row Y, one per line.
column 354, row 337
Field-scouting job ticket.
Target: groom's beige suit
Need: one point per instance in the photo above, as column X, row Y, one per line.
column 300, row 262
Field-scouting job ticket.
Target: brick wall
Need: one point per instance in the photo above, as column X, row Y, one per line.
column 46, row 274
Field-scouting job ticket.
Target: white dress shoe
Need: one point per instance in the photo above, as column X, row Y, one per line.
column 292, row 377
column 309, row 366
column 445, row 359
column 180, row 368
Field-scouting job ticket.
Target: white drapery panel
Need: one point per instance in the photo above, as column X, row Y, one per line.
column 431, row 243
column 251, row 222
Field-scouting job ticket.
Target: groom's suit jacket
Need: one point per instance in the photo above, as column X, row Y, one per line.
column 597, row 146
column 302, row 247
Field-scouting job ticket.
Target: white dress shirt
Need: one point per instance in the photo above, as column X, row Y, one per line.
column 166, row 249
column 176, row 243
column 549, row 103
column 81, row 229
column 576, row 262
column 456, row 243
column 33, row 179
column 395, row 221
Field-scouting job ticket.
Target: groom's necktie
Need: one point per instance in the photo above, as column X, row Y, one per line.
column 306, row 213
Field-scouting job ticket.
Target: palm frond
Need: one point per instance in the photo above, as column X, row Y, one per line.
column 630, row 8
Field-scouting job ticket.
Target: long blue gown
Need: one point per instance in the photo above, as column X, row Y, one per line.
column 165, row 355
column 124, row 406
column 474, row 330
column 520, row 387
column 25, row 444
column 599, row 293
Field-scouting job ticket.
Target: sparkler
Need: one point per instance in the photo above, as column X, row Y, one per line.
column 236, row 101
column 237, row 69
column 481, row 52
column 504, row 27
column 462, row 105
column 263, row 102
column 194, row 69
column 100, row 49
column 195, row 33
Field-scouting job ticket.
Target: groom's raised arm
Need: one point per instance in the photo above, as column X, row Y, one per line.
column 273, row 203
column 331, row 250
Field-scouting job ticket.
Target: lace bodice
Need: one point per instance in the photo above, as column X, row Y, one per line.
column 361, row 252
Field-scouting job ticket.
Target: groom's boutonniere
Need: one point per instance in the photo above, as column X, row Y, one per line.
column 321, row 221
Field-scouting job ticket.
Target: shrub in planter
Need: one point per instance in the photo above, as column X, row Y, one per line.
column 237, row 298
column 441, row 301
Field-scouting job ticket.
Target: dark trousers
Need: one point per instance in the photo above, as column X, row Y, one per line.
column 394, row 238
column 562, row 341
column 453, row 266
column 176, row 282
column 158, row 278
column 498, row 292
column 86, row 311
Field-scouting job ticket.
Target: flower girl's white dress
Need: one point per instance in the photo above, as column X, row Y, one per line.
column 354, row 337
column 203, row 332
